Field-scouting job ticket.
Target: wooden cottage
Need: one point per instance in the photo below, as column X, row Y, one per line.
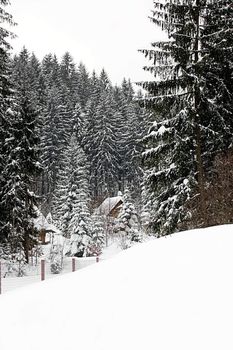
column 45, row 229
column 110, row 207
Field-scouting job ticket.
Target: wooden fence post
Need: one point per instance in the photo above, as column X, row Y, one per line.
column 73, row 264
column 42, row 270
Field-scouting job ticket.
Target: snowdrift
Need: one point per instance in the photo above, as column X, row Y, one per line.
column 175, row 293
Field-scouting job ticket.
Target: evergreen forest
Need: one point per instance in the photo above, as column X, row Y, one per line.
column 69, row 138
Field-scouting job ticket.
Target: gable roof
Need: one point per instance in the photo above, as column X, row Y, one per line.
column 41, row 223
column 108, row 205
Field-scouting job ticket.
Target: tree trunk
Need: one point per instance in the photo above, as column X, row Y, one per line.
column 26, row 247
column 200, row 169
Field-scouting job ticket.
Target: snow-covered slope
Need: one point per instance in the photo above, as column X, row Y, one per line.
column 175, row 293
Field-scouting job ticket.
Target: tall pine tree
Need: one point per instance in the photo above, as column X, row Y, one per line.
column 185, row 135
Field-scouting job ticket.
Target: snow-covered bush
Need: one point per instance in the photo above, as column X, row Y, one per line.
column 55, row 267
column 56, row 254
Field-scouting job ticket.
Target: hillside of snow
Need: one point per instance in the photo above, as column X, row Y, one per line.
column 173, row 293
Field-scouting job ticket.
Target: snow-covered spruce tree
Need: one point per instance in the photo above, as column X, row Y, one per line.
column 27, row 75
column 133, row 147
column 79, row 123
column 106, row 157
column 80, row 227
column 129, row 117
column 69, row 76
column 183, row 139
column 5, row 104
column 146, row 208
column 90, row 128
column 36, row 81
column 97, row 239
column 69, row 83
column 80, row 224
column 15, row 166
column 22, row 165
column 55, row 139
column 83, row 85
column 101, row 138
column 128, row 224
column 38, row 99
column 57, row 119
column 122, row 134
column 139, row 129
column 72, row 178
column 217, row 66
column 104, row 81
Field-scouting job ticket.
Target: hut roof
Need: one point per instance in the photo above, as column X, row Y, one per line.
column 108, row 205
column 41, row 223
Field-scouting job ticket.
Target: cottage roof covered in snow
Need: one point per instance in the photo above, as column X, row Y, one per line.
column 108, row 205
column 41, row 223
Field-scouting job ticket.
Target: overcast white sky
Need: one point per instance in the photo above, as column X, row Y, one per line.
column 100, row 33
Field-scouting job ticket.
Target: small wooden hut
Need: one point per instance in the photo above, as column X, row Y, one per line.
column 45, row 229
column 110, row 207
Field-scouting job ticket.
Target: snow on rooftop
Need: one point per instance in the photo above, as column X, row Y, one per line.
column 169, row 293
column 41, row 223
column 107, row 205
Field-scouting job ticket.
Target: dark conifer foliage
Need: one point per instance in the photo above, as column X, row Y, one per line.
column 191, row 120
column 22, row 166
column 106, row 159
column 83, row 85
column 5, row 105
column 104, row 120
column 216, row 65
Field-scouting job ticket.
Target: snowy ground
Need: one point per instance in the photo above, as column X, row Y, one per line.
column 34, row 275
column 171, row 293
